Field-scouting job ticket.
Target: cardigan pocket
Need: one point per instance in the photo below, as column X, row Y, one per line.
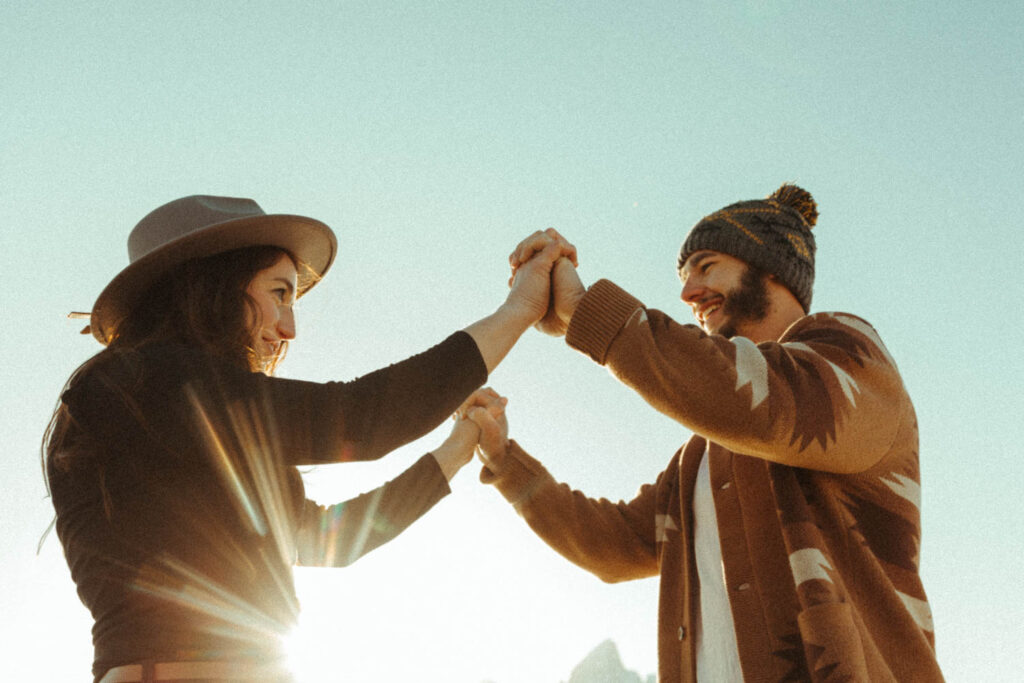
column 832, row 643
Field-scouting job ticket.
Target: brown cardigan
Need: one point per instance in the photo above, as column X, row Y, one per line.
column 813, row 453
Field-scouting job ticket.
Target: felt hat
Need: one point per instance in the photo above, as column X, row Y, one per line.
column 200, row 226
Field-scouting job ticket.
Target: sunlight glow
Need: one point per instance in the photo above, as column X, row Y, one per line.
column 312, row 654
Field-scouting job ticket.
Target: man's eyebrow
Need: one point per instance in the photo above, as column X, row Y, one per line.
column 695, row 259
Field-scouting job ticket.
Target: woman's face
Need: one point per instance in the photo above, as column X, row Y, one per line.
column 273, row 291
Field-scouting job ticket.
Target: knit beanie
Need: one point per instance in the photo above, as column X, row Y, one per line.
column 773, row 234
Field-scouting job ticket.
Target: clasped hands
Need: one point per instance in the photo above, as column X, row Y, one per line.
column 480, row 425
column 544, row 282
column 544, row 290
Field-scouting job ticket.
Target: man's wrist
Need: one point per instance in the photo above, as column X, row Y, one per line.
column 571, row 304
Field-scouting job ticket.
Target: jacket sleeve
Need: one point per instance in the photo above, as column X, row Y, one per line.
column 310, row 423
column 827, row 396
column 614, row 541
column 338, row 535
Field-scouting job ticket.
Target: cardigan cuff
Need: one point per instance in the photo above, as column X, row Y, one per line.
column 601, row 314
column 519, row 477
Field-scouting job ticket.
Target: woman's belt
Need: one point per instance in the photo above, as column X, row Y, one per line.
column 196, row 672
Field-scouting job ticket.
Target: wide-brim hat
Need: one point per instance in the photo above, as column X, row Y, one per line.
column 200, row 226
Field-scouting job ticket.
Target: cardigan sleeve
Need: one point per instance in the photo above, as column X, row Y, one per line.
column 614, row 541
column 826, row 396
column 338, row 535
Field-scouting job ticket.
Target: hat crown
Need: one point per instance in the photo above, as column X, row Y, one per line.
column 183, row 217
column 199, row 226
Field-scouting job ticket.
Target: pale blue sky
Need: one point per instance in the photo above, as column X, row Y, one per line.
column 432, row 137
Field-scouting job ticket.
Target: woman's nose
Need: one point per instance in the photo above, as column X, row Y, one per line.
column 286, row 323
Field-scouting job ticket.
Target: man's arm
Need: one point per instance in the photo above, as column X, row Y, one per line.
column 614, row 541
column 827, row 396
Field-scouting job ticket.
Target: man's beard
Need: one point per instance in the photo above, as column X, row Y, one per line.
column 746, row 303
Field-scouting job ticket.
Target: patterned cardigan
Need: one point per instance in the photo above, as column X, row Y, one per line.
column 813, row 454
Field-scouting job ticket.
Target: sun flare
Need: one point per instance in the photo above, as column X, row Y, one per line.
column 312, row 653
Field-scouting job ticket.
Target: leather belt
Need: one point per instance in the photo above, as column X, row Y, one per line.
column 195, row 671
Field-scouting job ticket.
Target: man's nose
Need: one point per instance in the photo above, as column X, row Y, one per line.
column 692, row 292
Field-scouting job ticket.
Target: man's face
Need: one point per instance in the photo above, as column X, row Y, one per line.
column 727, row 296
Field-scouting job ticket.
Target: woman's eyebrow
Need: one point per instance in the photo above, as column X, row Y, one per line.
column 286, row 282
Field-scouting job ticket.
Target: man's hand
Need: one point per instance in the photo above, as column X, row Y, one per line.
column 457, row 449
column 533, row 263
column 486, row 409
column 565, row 290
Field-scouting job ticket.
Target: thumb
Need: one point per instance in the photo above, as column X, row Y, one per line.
column 492, row 440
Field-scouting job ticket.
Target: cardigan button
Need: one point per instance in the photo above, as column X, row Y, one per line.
column 682, row 632
column 726, row 485
column 743, row 587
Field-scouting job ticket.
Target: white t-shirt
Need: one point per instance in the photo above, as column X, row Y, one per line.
column 718, row 657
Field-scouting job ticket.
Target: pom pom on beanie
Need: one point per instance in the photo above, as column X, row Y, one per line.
column 797, row 198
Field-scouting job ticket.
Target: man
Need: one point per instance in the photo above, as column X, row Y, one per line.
column 786, row 531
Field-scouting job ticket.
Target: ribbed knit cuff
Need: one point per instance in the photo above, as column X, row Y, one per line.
column 519, row 477
column 602, row 312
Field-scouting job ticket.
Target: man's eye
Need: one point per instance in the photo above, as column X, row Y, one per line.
column 705, row 267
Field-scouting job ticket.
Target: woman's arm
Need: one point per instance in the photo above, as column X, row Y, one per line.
column 526, row 305
column 310, row 423
column 338, row 535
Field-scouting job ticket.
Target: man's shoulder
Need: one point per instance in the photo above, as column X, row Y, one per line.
column 841, row 327
column 830, row 320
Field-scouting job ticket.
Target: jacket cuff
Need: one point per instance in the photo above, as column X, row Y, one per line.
column 601, row 314
column 519, row 477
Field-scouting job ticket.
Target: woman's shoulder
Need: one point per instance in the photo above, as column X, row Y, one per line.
column 122, row 371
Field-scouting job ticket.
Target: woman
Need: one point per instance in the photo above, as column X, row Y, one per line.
column 172, row 455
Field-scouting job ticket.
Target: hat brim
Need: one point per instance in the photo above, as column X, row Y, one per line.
column 311, row 242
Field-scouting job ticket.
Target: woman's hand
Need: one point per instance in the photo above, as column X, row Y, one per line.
column 565, row 287
column 533, row 264
column 543, row 291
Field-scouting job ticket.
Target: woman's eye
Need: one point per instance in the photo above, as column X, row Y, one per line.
column 280, row 294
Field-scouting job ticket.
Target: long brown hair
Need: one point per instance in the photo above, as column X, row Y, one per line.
column 203, row 303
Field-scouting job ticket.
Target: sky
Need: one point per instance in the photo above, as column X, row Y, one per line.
column 432, row 137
